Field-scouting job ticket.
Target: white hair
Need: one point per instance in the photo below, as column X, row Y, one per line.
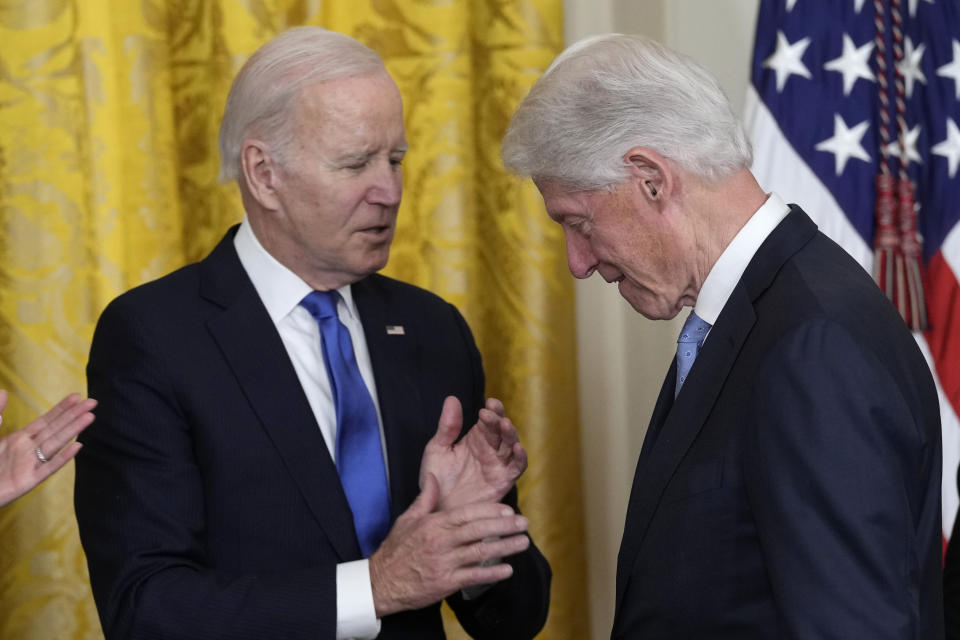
column 607, row 94
column 261, row 100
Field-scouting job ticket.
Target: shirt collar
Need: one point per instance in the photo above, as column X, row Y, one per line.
column 731, row 264
column 280, row 289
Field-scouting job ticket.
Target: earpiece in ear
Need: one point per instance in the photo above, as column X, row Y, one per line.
column 653, row 189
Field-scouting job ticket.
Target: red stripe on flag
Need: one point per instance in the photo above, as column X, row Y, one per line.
column 943, row 337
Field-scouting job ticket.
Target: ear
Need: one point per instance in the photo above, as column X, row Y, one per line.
column 261, row 173
column 652, row 171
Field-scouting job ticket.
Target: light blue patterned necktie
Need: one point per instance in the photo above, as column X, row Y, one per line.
column 688, row 346
column 359, row 453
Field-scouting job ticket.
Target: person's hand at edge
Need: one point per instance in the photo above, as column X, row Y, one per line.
column 34, row 453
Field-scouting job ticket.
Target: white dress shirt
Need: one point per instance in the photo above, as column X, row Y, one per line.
column 281, row 291
column 731, row 264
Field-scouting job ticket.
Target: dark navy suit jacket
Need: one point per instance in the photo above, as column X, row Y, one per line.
column 207, row 502
column 951, row 582
column 793, row 488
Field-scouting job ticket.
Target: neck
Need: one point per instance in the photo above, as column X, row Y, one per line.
column 289, row 254
column 719, row 212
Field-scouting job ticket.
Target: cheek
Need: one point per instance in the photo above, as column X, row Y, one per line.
column 351, row 196
column 638, row 258
column 616, row 250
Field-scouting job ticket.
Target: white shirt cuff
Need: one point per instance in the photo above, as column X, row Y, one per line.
column 356, row 617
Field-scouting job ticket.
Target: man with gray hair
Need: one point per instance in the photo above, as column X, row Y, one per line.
column 279, row 449
column 788, row 484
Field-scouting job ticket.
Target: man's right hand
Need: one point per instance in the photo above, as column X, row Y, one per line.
column 429, row 555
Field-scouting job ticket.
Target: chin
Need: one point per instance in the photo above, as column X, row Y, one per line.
column 653, row 309
column 377, row 262
column 655, row 315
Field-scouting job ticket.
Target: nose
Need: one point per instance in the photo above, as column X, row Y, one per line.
column 387, row 185
column 580, row 256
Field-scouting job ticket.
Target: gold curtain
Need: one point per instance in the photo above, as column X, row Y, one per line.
column 109, row 111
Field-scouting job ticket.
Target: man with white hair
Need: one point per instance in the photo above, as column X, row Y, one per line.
column 788, row 484
column 271, row 459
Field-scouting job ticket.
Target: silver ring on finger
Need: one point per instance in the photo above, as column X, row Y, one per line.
column 40, row 456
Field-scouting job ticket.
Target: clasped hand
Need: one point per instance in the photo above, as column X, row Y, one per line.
column 456, row 532
column 483, row 465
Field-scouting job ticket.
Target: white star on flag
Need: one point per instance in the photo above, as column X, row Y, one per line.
column 950, row 147
column 790, row 4
column 786, row 60
column 952, row 69
column 857, row 5
column 910, row 65
column 910, row 146
column 913, row 6
column 845, row 143
column 853, row 63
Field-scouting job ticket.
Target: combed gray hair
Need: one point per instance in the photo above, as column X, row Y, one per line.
column 264, row 92
column 607, row 94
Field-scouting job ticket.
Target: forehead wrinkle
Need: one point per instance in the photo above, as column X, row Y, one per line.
column 348, row 145
column 570, row 205
column 367, row 151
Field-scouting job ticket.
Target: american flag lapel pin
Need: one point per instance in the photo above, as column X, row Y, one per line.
column 395, row 330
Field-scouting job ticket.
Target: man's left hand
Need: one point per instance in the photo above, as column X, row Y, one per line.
column 483, row 465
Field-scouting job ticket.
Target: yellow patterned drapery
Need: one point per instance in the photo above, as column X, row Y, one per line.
column 109, row 112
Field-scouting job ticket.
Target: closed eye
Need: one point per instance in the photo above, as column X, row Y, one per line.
column 355, row 162
column 578, row 226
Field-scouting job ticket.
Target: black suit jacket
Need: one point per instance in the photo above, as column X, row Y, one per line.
column 208, row 504
column 793, row 488
column 951, row 581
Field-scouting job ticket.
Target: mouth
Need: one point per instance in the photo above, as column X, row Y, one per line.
column 611, row 273
column 378, row 230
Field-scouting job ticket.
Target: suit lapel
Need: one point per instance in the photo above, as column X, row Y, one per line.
column 251, row 345
column 682, row 420
column 682, row 424
column 394, row 361
column 660, row 411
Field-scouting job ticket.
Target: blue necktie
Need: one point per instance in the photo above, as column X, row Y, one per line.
column 688, row 346
column 359, row 454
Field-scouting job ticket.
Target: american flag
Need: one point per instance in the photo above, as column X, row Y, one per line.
column 814, row 116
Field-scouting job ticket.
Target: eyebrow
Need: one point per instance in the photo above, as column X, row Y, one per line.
column 562, row 212
column 352, row 158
